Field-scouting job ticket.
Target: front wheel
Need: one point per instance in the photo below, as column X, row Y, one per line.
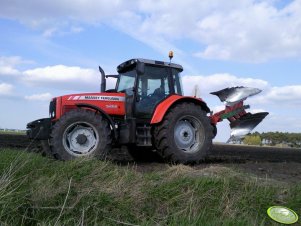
column 185, row 134
column 80, row 133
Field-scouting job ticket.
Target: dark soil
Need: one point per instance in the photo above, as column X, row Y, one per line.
column 282, row 171
column 18, row 141
column 255, row 153
column 283, row 164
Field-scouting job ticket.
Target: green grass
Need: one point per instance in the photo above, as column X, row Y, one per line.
column 13, row 132
column 37, row 190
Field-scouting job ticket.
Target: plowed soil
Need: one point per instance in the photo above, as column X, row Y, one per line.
column 282, row 164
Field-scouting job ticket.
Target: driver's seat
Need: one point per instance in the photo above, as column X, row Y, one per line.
column 159, row 93
column 146, row 105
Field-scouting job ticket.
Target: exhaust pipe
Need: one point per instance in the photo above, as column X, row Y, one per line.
column 103, row 80
column 241, row 122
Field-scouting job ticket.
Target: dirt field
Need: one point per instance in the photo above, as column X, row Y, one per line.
column 267, row 162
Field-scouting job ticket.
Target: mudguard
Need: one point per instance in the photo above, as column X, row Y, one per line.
column 39, row 129
column 167, row 103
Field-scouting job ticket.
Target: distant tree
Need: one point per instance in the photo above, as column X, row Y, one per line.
column 252, row 140
column 275, row 138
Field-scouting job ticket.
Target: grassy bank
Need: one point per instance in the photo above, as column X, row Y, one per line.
column 34, row 189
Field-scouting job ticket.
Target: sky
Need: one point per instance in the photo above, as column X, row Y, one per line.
column 53, row 48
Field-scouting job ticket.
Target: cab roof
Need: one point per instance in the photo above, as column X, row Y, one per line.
column 133, row 62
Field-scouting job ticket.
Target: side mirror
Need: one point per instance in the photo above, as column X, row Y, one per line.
column 140, row 68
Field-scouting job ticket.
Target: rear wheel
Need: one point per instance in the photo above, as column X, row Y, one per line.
column 185, row 134
column 80, row 133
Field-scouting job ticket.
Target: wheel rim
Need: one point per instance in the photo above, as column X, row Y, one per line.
column 189, row 134
column 80, row 139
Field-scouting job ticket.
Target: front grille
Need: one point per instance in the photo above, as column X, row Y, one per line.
column 52, row 108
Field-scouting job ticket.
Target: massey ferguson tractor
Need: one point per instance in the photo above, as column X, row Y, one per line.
column 147, row 109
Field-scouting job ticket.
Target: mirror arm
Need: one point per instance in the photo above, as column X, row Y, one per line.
column 112, row 76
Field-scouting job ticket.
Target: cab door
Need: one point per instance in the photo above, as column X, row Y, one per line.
column 152, row 87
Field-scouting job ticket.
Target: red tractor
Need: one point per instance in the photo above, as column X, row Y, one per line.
column 146, row 109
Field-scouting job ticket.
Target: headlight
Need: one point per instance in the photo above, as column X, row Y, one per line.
column 52, row 108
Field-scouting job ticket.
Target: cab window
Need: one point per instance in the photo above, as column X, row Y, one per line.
column 126, row 80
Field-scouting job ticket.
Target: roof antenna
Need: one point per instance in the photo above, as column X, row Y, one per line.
column 170, row 55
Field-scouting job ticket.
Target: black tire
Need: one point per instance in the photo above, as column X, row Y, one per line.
column 214, row 131
column 93, row 128
column 184, row 135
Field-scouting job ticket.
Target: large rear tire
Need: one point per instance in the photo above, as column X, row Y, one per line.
column 80, row 133
column 184, row 135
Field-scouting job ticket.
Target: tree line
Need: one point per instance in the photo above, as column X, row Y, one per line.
column 274, row 139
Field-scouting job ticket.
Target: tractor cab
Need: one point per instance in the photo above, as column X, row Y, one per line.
column 147, row 83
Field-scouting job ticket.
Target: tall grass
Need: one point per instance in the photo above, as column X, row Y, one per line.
column 35, row 190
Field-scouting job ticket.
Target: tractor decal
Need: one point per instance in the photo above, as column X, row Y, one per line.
column 112, row 106
column 102, row 98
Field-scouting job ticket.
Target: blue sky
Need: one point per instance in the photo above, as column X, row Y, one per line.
column 53, row 48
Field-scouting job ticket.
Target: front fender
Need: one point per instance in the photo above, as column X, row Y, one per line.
column 171, row 101
column 39, row 129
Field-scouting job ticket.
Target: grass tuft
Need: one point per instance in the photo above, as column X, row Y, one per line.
column 37, row 190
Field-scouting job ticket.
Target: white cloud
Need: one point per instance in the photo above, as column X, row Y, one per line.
column 217, row 82
column 5, row 89
column 248, row 30
column 242, row 30
column 88, row 11
column 61, row 30
column 282, row 96
column 283, row 123
column 59, row 73
column 7, row 65
column 76, row 29
column 56, row 77
column 65, row 77
column 39, row 97
column 237, row 30
column 61, row 14
column 49, row 32
column 285, row 95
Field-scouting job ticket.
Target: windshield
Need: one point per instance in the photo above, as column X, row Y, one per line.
column 126, row 80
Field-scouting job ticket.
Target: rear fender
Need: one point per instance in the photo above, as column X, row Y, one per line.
column 171, row 101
